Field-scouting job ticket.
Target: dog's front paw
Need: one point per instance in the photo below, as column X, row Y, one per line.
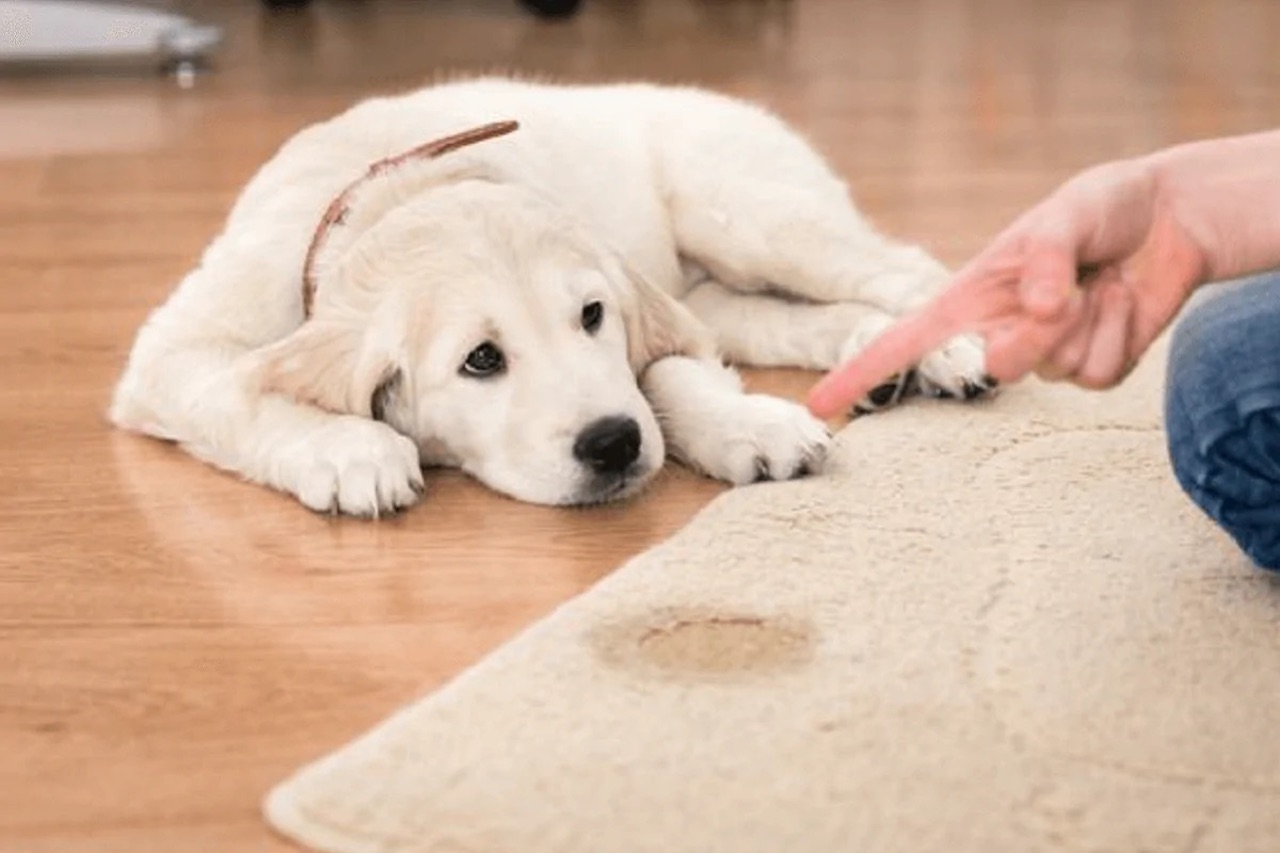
column 761, row 438
column 957, row 369
column 355, row 466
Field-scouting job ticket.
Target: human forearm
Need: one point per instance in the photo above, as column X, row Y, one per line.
column 1225, row 193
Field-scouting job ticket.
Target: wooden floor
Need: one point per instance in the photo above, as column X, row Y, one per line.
column 172, row 642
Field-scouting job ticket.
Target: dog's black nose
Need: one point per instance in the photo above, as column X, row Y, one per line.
column 608, row 445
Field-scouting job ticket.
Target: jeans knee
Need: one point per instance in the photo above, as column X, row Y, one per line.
column 1222, row 412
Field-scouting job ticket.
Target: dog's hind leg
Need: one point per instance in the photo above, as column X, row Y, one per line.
column 756, row 207
column 807, row 253
column 761, row 330
column 758, row 330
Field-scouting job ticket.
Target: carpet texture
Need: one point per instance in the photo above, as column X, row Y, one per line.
column 990, row 628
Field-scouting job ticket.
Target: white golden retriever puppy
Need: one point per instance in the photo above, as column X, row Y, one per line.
column 533, row 283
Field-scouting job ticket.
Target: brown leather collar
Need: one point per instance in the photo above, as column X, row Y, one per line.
column 339, row 208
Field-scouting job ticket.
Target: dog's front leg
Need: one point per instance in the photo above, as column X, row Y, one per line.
column 714, row 427
column 206, row 400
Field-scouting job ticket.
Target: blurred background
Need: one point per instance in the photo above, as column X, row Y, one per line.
column 946, row 115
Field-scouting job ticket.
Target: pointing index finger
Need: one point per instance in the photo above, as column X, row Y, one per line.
column 893, row 351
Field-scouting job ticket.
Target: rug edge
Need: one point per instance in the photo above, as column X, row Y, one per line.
column 280, row 812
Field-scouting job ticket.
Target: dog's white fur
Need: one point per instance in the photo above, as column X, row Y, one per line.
column 702, row 224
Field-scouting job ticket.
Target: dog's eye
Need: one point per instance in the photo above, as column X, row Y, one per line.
column 592, row 316
column 485, row 360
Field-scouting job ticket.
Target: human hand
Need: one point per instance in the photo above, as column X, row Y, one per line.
column 1076, row 289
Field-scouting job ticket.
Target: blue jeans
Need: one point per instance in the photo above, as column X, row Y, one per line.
column 1222, row 410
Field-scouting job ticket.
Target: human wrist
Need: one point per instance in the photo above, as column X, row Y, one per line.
column 1222, row 197
column 1185, row 225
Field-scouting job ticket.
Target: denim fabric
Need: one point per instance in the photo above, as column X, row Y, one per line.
column 1222, row 410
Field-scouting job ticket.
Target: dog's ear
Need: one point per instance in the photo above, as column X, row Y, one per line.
column 326, row 363
column 657, row 324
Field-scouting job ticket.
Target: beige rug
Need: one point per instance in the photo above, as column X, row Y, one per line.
column 988, row 629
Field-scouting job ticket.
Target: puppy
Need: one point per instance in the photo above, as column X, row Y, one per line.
column 537, row 284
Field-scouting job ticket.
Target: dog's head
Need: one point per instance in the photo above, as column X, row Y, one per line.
column 478, row 318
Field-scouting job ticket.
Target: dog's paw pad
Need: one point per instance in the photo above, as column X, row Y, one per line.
column 887, row 395
column 765, row 473
column 984, row 386
column 971, row 389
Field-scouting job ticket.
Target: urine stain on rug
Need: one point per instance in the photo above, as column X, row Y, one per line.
column 705, row 643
